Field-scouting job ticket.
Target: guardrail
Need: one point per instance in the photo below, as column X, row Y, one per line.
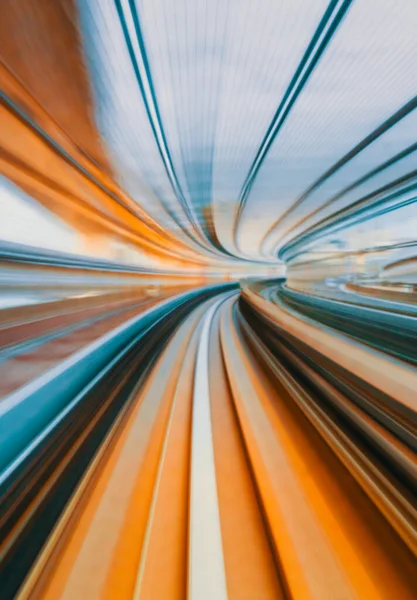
column 21, row 253
column 30, row 413
column 391, row 376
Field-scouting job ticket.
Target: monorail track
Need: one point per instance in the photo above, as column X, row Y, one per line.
column 219, row 459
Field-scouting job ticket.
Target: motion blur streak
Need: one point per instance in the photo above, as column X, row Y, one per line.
column 208, row 308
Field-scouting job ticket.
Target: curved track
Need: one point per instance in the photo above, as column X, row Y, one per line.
column 218, row 456
column 383, row 325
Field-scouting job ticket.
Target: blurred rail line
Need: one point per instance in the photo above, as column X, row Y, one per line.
column 220, row 449
column 208, row 307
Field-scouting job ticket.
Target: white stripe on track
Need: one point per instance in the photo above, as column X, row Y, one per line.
column 206, row 575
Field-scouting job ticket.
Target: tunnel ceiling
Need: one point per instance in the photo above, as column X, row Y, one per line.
column 232, row 129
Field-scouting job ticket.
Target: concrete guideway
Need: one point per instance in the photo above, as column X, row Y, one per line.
column 226, row 477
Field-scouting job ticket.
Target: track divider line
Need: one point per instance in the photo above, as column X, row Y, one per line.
column 251, row 569
column 206, row 578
